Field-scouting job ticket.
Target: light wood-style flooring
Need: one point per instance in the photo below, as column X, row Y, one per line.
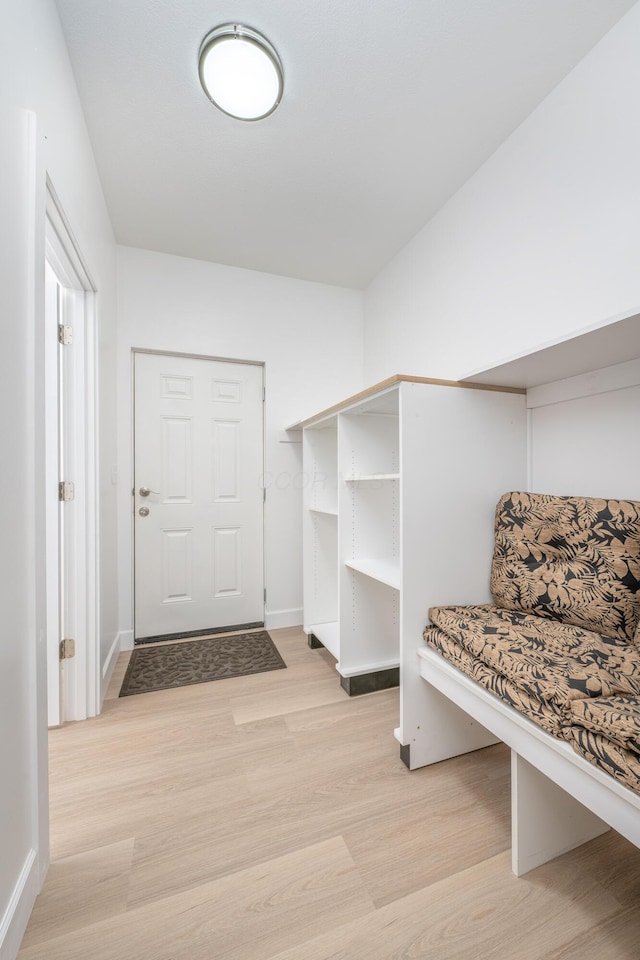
column 270, row 818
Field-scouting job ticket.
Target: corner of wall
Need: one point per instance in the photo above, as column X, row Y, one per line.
column 16, row 917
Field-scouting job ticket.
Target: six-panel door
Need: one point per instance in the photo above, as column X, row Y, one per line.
column 198, row 495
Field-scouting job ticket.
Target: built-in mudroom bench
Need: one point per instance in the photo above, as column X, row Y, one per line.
column 388, row 475
column 471, row 682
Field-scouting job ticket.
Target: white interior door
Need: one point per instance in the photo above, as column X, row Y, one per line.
column 198, row 495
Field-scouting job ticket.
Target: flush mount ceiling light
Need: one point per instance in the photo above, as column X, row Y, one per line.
column 240, row 72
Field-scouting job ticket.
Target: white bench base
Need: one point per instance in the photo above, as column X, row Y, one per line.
column 558, row 799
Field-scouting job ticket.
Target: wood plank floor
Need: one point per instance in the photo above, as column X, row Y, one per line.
column 270, row 818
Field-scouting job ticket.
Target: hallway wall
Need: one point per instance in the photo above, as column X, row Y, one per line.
column 42, row 130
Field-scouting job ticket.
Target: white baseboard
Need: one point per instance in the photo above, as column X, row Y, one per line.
column 274, row 619
column 126, row 640
column 14, row 922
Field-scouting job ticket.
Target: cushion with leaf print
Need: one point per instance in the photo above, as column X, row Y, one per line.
column 602, row 752
column 617, row 718
column 548, row 660
column 515, row 694
column 573, row 559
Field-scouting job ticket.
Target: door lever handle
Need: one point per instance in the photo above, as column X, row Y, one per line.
column 145, row 491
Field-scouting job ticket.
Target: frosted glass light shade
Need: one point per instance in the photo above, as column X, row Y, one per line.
column 240, row 72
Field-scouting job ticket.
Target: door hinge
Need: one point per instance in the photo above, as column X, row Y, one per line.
column 66, row 491
column 67, row 649
column 264, row 394
column 264, row 494
column 265, row 594
column 65, row 334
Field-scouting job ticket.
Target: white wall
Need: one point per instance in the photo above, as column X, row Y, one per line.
column 541, row 242
column 583, row 434
column 37, row 100
column 19, row 746
column 309, row 335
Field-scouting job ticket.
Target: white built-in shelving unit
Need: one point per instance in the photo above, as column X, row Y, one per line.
column 377, row 499
column 402, row 483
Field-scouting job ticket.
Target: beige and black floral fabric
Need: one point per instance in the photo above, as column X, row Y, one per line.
column 606, row 732
column 573, row 559
column 616, row 718
column 623, row 765
column 550, row 661
column 500, row 686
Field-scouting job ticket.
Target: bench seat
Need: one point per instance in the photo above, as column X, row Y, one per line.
column 579, row 687
column 559, row 799
column 552, row 667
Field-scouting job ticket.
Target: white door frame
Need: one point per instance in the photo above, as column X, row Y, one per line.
column 189, row 356
column 51, row 416
column 81, row 690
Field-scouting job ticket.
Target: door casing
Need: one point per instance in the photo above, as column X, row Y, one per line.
column 82, row 680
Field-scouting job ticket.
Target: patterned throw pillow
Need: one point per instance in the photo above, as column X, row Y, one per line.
column 574, row 559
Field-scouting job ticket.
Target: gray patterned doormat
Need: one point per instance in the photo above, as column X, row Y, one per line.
column 199, row 661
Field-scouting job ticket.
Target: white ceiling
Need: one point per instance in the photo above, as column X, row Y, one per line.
column 389, row 106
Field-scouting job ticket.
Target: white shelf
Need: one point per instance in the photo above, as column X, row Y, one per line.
column 372, row 476
column 384, row 570
column 374, row 666
column 329, row 636
column 596, row 347
column 324, row 511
